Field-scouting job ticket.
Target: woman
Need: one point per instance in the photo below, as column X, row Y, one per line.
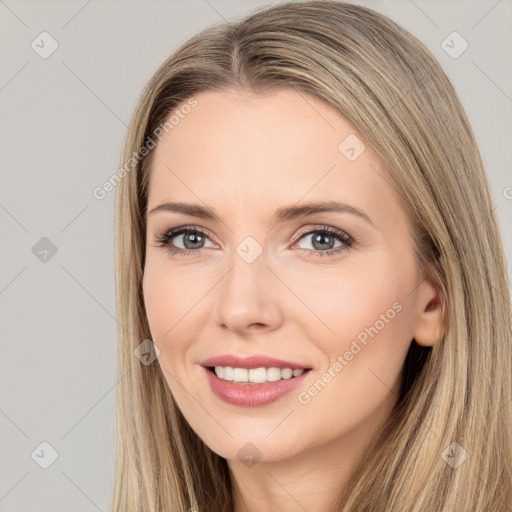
column 258, row 376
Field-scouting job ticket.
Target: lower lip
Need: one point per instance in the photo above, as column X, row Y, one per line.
column 252, row 395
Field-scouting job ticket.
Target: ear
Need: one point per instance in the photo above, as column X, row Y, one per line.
column 429, row 325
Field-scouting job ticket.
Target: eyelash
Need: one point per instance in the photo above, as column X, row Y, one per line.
column 348, row 241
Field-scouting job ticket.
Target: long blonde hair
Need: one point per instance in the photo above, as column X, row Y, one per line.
column 459, row 391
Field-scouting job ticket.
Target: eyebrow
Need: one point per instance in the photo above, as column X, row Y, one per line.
column 282, row 214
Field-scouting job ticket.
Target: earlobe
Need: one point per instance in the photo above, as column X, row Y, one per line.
column 429, row 327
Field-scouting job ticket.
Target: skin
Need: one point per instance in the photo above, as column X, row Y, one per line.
column 246, row 155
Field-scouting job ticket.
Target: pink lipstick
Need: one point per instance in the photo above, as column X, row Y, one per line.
column 255, row 380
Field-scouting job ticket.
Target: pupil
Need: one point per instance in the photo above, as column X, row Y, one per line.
column 319, row 238
column 194, row 238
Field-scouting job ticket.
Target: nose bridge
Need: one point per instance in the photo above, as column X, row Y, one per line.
column 243, row 298
column 247, row 276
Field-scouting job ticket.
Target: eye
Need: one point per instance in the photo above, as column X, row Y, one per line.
column 192, row 240
column 323, row 239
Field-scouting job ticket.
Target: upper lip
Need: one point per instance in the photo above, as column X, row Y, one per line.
column 254, row 361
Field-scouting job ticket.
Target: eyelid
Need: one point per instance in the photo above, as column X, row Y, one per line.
column 174, row 232
column 331, row 230
column 308, row 228
column 347, row 240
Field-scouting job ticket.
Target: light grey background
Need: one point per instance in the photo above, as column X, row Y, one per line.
column 62, row 123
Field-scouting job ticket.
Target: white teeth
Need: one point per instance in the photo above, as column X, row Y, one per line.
column 255, row 375
column 240, row 374
column 229, row 374
column 258, row 375
column 273, row 374
column 286, row 373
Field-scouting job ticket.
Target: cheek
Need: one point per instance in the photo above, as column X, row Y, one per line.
column 165, row 305
column 175, row 307
column 166, row 311
column 371, row 316
column 365, row 330
column 343, row 304
column 168, row 297
column 156, row 302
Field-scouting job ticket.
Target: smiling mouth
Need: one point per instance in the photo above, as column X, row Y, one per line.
column 250, row 376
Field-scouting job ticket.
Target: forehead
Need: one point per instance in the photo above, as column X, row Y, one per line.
column 246, row 150
column 235, row 123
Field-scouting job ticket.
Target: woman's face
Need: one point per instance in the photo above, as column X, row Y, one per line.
column 261, row 278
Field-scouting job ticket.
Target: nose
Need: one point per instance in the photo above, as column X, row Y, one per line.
column 249, row 297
